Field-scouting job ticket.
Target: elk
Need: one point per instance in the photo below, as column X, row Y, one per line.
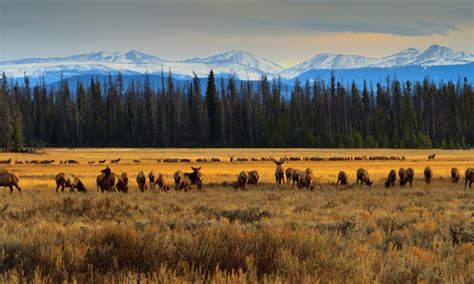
column 428, row 173
column 101, row 161
column 392, row 176
column 455, row 175
column 9, row 180
column 106, row 180
column 289, row 174
column 253, row 177
column 469, row 177
column 406, row 176
column 122, row 183
column 279, row 172
column 431, row 157
column 141, row 181
column 342, row 178
column 195, row 177
column 116, row 161
column 162, row 184
column 305, row 179
column 6, row 161
column 65, row 180
column 242, row 180
column 177, row 176
column 363, row 177
column 152, row 177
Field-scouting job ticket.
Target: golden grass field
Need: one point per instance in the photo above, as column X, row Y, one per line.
column 266, row 234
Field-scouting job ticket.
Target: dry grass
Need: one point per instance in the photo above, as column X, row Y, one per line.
column 270, row 234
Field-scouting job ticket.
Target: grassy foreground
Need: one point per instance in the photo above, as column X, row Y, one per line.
column 270, row 233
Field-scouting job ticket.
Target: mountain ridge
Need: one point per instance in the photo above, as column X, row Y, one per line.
column 242, row 64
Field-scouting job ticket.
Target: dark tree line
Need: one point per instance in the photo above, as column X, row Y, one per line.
column 234, row 113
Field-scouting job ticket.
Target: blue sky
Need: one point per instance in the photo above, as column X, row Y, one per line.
column 286, row 32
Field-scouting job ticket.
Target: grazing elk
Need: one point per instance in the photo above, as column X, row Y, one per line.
column 136, row 161
column 469, row 177
column 253, row 177
column 279, row 172
column 101, row 161
column 342, row 178
column 91, row 162
column 391, row 178
column 122, row 183
column 116, row 161
column 65, row 180
column 162, row 184
column 406, row 176
column 305, row 179
column 9, row 180
column 289, row 174
column 242, row 180
column 428, row 174
column 106, row 180
column 363, row 177
column 141, row 181
column 431, row 157
column 455, row 175
column 296, row 176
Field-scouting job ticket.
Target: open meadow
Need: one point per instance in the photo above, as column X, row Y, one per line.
column 270, row 233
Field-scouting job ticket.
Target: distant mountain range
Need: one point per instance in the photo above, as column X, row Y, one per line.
column 450, row 63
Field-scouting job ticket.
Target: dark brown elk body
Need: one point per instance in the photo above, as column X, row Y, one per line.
column 9, row 180
column 431, row 157
column 254, row 177
column 342, row 178
column 392, row 176
column 122, row 183
column 363, row 177
column 469, row 177
column 141, row 181
column 242, row 180
column 455, row 175
column 279, row 172
column 428, row 173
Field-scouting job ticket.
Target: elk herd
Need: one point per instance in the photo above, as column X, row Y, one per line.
column 108, row 181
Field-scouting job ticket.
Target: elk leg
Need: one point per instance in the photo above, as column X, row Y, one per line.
column 11, row 188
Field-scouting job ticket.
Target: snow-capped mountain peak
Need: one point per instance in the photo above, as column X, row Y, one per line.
column 238, row 57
